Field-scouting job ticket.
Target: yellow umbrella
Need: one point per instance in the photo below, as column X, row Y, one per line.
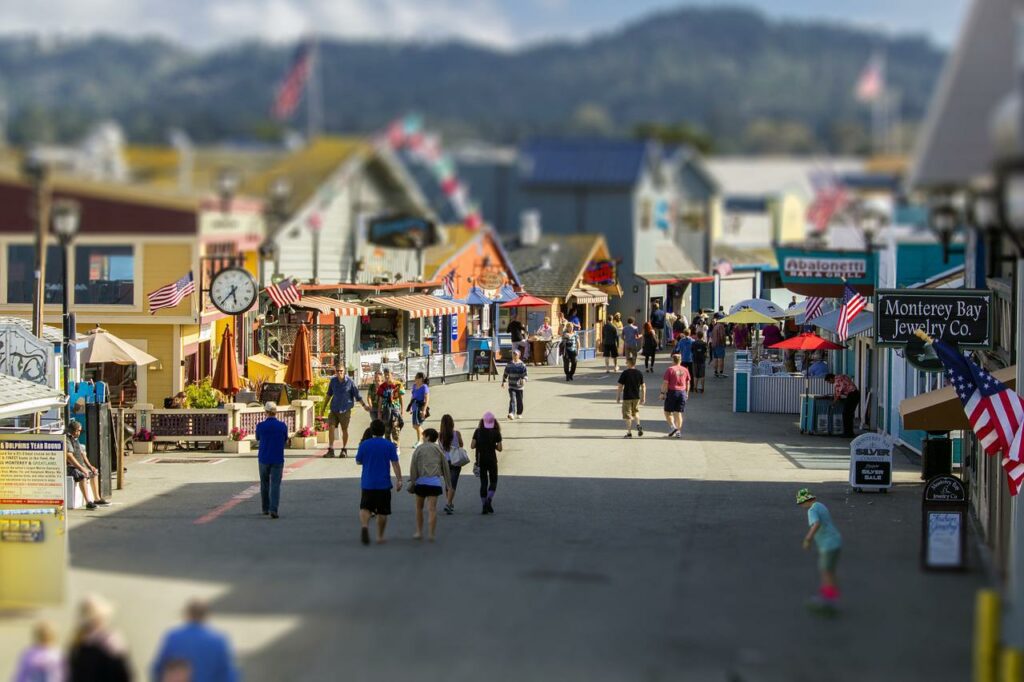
column 748, row 316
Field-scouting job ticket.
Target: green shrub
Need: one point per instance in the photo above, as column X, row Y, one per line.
column 202, row 395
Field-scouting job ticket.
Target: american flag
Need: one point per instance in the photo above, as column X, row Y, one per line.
column 171, row 295
column 813, row 307
column 289, row 93
column 853, row 303
column 995, row 412
column 830, row 197
column 871, row 83
column 284, row 293
column 448, row 282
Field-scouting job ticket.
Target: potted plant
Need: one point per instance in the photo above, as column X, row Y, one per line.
column 323, row 431
column 143, row 442
column 236, row 442
column 304, row 439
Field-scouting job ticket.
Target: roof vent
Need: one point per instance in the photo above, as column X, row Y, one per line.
column 529, row 227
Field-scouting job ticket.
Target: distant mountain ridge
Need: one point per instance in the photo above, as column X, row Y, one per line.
column 751, row 83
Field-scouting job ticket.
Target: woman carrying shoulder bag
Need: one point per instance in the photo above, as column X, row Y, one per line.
column 454, row 450
column 428, row 473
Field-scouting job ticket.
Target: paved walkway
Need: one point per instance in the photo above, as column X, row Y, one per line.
column 607, row 559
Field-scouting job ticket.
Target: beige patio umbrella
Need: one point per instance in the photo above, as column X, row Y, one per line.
column 105, row 347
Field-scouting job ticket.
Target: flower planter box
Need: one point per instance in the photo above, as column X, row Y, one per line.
column 236, row 446
column 323, row 437
column 140, row 447
column 300, row 443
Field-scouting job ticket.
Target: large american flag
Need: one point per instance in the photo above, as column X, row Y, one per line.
column 172, row 294
column 853, row 303
column 284, row 293
column 995, row 412
column 448, row 282
column 830, row 197
column 812, row 308
column 289, row 93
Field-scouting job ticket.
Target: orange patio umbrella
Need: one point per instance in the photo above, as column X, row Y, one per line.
column 300, row 364
column 225, row 374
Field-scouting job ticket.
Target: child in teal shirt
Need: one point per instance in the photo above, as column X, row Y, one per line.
column 825, row 535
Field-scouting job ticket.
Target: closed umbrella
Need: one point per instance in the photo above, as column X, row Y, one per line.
column 225, row 374
column 102, row 346
column 299, row 373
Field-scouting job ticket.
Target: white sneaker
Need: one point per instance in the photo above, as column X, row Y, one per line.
column 519, row 417
column 679, row 434
column 511, row 416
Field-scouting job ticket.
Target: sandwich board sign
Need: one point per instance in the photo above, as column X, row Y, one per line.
column 871, row 462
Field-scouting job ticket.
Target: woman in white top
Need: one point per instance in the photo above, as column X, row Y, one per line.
column 450, row 440
column 544, row 332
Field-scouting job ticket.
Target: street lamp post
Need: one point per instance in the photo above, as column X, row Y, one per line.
column 36, row 173
column 65, row 222
column 943, row 219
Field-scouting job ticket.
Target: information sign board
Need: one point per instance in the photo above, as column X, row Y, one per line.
column 871, row 462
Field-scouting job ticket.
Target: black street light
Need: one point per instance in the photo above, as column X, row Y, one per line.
column 65, row 216
column 944, row 219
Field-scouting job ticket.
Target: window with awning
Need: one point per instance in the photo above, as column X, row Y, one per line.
column 586, row 293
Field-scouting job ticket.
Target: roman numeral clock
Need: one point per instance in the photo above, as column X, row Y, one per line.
column 233, row 291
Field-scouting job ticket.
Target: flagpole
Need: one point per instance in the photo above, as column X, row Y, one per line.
column 314, row 100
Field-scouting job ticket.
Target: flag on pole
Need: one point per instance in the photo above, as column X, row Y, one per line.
column 813, row 307
column 830, row 197
column 871, row 84
column 285, row 293
column 853, row 303
column 289, row 92
column 448, row 282
column 172, row 294
column 995, row 412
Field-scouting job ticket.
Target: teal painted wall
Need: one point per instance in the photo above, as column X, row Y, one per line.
column 917, row 262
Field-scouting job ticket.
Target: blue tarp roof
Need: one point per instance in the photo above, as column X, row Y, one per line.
column 582, row 161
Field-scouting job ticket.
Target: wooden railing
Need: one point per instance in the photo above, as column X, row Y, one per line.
column 215, row 424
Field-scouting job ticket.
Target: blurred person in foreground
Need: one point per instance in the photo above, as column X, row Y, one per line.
column 98, row 654
column 42, row 661
column 823, row 532
column 194, row 651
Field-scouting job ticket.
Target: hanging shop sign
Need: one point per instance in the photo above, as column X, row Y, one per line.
column 871, row 462
column 600, row 273
column 822, row 273
column 490, row 279
column 401, row 232
column 957, row 316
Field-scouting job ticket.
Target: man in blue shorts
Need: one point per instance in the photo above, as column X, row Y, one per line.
column 675, row 385
column 717, row 341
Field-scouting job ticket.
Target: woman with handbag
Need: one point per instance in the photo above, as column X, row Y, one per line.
column 419, row 404
column 428, row 472
column 487, row 444
column 454, row 449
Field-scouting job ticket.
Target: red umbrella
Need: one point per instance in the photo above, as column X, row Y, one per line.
column 526, row 301
column 225, row 374
column 299, row 373
column 807, row 341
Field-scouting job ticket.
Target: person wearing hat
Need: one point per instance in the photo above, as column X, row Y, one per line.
column 487, row 444
column 272, row 435
column 826, row 536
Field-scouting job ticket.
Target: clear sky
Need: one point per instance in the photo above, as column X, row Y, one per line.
column 504, row 23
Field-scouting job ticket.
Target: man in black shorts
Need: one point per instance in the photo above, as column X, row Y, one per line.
column 699, row 351
column 610, row 346
column 376, row 455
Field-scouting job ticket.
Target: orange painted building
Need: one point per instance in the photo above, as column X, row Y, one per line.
column 470, row 259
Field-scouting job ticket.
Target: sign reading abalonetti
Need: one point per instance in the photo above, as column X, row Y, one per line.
column 960, row 316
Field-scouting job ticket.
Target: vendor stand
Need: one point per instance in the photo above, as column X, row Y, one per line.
column 526, row 301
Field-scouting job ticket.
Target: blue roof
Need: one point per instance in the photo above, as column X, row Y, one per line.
column 583, row 161
column 476, row 297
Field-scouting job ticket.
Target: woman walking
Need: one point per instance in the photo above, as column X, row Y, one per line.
column 428, row 473
column 98, row 654
column 650, row 347
column 451, row 443
column 570, row 349
column 419, row 403
column 487, row 444
column 374, row 397
column 617, row 323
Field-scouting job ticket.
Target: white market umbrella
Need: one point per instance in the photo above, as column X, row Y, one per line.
column 760, row 305
column 102, row 346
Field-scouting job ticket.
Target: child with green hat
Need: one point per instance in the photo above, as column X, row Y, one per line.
column 829, row 542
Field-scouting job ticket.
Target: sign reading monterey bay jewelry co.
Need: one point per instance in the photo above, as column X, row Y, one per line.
column 959, row 316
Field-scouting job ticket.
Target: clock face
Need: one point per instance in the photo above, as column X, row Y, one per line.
column 233, row 291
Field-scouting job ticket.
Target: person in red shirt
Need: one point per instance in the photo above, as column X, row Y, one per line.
column 675, row 387
column 845, row 390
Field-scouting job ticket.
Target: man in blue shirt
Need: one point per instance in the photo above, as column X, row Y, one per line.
column 376, row 455
column 197, row 648
column 342, row 395
column 658, row 322
column 818, row 368
column 685, row 349
column 272, row 435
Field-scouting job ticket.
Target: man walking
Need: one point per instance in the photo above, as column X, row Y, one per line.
column 719, row 334
column 610, row 346
column 570, row 351
column 658, row 322
column 684, row 346
column 197, row 648
column 272, row 435
column 390, row 392
column 843, row 389
column 515, row 376
column 377, row 455
column 518, row 334
column 632, row 393
column 631, row 340
column 675, row 385
column 699, row 349
column 342, row 395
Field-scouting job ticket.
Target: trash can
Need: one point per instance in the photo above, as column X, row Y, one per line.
column 936, row 455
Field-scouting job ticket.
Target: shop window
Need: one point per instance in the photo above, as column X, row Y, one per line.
column 21, row 259
column 104, row 275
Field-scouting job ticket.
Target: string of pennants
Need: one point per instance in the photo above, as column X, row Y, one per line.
column 425, row 147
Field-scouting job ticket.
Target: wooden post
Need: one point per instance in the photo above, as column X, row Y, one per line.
column 120, row 448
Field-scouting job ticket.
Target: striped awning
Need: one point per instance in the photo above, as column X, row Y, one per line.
column 324, row 304
column 420, row 305
column 588, row 294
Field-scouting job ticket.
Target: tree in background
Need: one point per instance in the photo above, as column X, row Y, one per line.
column 676, row 134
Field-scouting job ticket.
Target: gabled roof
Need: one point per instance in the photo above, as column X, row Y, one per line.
column 51, row 334
column 457, row 238
column 567, row 256
column 308, row 168
column 599, row 162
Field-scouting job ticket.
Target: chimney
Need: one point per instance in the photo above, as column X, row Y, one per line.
column 529, row 227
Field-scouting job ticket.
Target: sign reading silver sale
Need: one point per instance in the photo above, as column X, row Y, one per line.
column 957, row 316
